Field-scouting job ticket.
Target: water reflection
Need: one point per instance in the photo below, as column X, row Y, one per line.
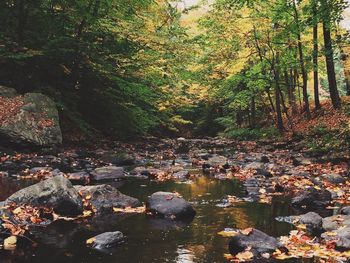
column 151, row 240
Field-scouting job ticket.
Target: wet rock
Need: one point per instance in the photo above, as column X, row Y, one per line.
column 169, row 205
column 335, row 222
column 104, row 197
column 345, row 210
column 81, row 177
column 56, row 192
column 311, row 198
column 265, row 159
column 313, row 222
column 257, row 240
column 217, row 161
column 36, row 123
column 107, row 240
column 264, row 173
column 108, row 173
column 119, row 159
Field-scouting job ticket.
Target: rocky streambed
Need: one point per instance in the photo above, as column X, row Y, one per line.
column 207, row 200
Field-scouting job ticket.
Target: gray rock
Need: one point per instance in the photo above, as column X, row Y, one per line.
column 104, row 197
column 169, row 205
column 107, row 240
column 81, row 177
column 119, row 159
column 181, row 175
column 313, row 222
column 332, row 223
column 255, row 166
column 7, row 92
column 257, row 240
column 333, row 178
column 217, row 160
column 108, row 173
column 35, row 124
column 311, row 198
column 345, row 210
column 341, row 237
column 56, row 192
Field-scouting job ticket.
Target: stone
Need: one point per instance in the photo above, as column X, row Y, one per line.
column 104, row 197
column 118, row 159
column 333, row 178
column 335, row 222
column 169, row 205
column 35, row 124
column 181, row 175
column 311, row 198
column 106, row 240
column 313, row 222
column 108, row 173
column 255, row 166
column 217, row 161
column 258, row 241
column 81, row 177
column 57, row 193
column 7, row 92
column 345, row 210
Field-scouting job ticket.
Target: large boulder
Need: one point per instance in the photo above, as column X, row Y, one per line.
column 30, row 120
column 170, row 205
column 311, row 198
column 57, row 193
column 104, row 197
column 106, row 240
column 258, row 241
column 108, row 173
column 335, row 222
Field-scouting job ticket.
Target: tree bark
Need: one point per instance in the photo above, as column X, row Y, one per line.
column 315, row 56
column 302, row 65
column 333, row 89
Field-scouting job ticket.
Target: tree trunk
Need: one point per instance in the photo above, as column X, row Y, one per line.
column 280, row 126
column 302, row 65
column 22, row 21
column 333, row 90
column 315, row 56
column 252, row 112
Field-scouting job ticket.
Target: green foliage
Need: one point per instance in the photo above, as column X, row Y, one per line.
column 251, row 134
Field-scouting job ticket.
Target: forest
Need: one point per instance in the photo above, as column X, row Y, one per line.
column 175, row 131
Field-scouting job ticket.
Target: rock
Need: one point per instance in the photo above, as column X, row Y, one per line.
column 341, row 237
column 106, row 240
column 313, row 222
column 35, row 123
column 299, row 160
column 335, row 222
column 311, row 198
column 257, row 240
column 265, row 159
column 345, row 210
column 217, row 160
column 255, row 166
column 81, row 177
column 56, row 192
column 7, row 92
column 119, row 159
column 104, row 197
column 169, row 205
column 263, row 172
column 181, row 175
column 108, row 173
column 333, row 178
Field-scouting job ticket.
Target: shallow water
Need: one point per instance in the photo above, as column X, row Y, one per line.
column 155, row 240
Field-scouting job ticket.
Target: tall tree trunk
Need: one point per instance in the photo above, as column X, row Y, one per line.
column 291, row 90
column 252, row 112
column 302, row 65
column 280, row 126
column 22, row 21
column 315, row 55
column 333, row 90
